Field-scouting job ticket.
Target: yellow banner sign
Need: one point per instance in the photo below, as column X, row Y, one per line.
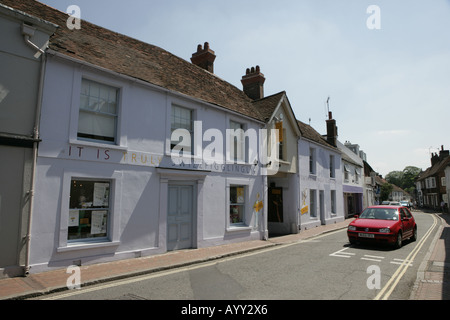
column 279, row 126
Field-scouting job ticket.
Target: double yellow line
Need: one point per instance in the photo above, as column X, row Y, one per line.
column 392, row 283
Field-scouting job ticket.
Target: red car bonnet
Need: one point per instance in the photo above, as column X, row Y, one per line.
column 373, row 223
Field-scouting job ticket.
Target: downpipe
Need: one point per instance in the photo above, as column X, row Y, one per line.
column 43, row 57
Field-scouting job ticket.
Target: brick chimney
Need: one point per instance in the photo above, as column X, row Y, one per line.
column 443, row 153
column 204, row 57
column 253, row 83
column 434, row 159
column 332, row 131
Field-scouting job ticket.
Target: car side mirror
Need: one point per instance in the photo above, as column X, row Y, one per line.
column 356, row 216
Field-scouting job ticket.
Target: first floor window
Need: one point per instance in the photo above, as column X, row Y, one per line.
column 98, row 112
column 312, row 161
column 237, row 204
column 89, row 209
column 182, row 118
column 237, row 137
column 332, row 173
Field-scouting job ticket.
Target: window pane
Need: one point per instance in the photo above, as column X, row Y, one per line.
column 236, row 214
column 96, row 126
column 237, row 141
column 89, row 209
column 237, row 204
column 312, row 202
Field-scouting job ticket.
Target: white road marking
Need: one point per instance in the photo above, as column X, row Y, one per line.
column 342, row 254
column 392, row 283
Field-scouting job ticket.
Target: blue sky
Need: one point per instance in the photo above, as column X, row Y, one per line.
column 389, row 88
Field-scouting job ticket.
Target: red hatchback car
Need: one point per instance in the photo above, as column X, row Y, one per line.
column 383, row 224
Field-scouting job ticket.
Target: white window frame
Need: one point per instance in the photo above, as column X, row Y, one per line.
column 346, row 173
column 357, row 174
column 99, row 110
column 332, row 167
column 245, row 224
column 313, row 203
column 433, row 182
column 113, row 238
column 121, row 127
column 190, row 130
column 237, row 143
column 333, row 201
column 312, row 161
column 91, row 207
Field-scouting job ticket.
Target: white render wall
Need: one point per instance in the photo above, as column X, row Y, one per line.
column 320, row 181
column 140, row 169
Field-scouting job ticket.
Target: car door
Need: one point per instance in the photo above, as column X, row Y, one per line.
column 407, row 223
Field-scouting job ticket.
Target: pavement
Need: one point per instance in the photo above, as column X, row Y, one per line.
column 433, row 280
column 433, row 276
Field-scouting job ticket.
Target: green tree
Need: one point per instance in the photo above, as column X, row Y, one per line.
column 404, row 179
column 385, row 191
column 395, row 177
column 410, row 174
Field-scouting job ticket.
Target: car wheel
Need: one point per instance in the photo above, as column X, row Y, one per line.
column 414, row 236
column 398, row 242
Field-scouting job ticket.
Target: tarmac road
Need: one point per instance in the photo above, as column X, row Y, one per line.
column 325, row 267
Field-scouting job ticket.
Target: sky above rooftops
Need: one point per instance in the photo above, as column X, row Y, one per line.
column 389, row 85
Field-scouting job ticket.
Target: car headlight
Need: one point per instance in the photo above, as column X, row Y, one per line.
column 384, row 230
column 352, row 228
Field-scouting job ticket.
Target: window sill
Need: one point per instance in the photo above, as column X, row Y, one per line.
column 239, row 228
column 87, row 245
column 86, row 143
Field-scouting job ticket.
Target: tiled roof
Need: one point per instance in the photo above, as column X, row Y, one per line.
column 311, row 134
column 134, row 58
column 266, row 106
column 435, row 169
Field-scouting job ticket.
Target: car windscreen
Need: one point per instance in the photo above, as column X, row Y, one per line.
column 379, row 213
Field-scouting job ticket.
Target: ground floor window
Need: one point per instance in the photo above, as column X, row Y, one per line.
column 333, row 201
column 237, row 204
column 89, row 209
column 312, row 203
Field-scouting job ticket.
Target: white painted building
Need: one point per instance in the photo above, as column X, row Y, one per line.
column 107, row 187
column 353, row 180
column 283, row 173
column 321, row 200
